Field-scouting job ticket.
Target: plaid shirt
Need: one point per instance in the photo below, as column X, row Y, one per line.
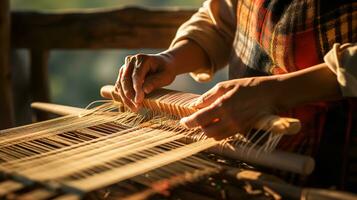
column 266, row 37
column 285, row 36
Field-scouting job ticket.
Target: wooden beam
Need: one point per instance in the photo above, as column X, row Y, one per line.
column 39, row 79
column 6, row 104
column 127, row 28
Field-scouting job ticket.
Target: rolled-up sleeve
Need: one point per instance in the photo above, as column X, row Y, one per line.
column 342, row 60
column 212, row 28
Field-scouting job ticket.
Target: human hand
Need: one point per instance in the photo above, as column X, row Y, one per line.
column 234, row 106
column 140, row 75
column 143, row 73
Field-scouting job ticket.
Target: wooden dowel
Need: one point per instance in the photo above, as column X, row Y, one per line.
column 37, row 194
column 276, row 159
column 287, row 191
column 276, row 124
column 9, row 186
column 56, row 109
column 260, row 180
column 68, row 197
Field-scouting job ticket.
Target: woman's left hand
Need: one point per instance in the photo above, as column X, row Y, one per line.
column 233, row 106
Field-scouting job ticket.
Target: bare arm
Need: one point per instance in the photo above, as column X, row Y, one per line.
column 316, row 83
column 239, row 103
column 187, row 56
column 202, row 45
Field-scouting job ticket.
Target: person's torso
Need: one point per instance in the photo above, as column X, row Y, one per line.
column 279, row 36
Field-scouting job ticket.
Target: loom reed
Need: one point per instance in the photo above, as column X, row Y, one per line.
column 107, row 144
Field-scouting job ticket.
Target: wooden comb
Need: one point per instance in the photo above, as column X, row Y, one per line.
column 179, row 104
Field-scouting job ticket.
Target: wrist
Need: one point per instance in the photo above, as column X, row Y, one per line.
column 170, row 61
column 187, row 56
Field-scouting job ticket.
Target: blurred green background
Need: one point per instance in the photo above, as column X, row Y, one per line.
column 76, row 76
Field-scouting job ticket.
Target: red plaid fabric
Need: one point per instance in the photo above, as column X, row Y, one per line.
column 281, row 36
column 267, row 37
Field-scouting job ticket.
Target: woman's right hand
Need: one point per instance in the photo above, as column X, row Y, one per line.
column 140, row 75
column 143, row 73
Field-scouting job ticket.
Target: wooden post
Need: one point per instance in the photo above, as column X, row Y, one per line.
column 6, row 103
column 39, row 79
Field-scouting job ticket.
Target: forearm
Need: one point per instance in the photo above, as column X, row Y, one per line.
column 316, row 83
column 187, row 56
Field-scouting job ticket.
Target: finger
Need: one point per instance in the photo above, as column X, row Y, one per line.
column 141, row 68
column 219, row 130
column 203, row 117
column 156, row 81
column 117, row 87
column 126, row 80
column 115, row 95
column 120, row 92
column 210, row 96
column 126, row 101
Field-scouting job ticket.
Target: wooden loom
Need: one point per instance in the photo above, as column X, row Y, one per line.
column 90, row 149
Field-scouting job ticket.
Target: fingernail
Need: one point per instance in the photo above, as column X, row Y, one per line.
column 136, row 99
column 147, row 90
column 183, row 122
